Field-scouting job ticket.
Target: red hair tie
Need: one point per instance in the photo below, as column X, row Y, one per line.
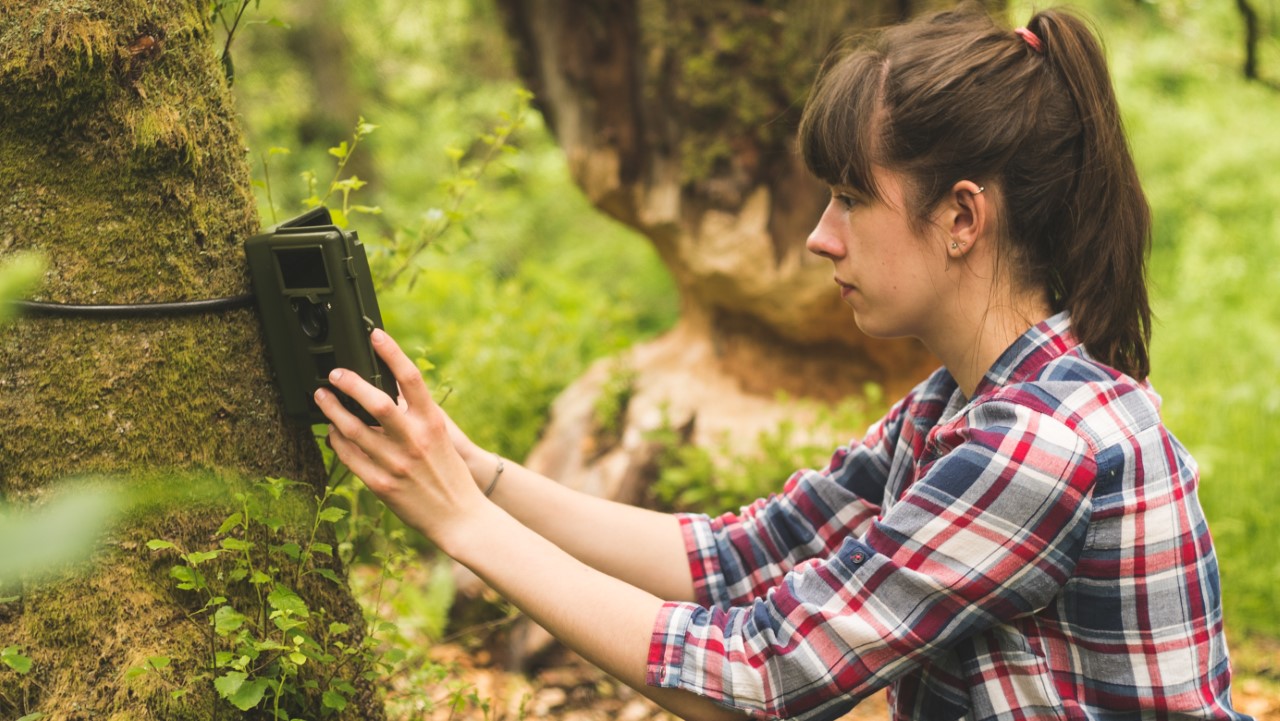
column 1032, row 39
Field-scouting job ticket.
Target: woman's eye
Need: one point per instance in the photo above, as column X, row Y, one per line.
column 846, row 201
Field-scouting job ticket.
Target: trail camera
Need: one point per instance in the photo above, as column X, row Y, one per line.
column 316, row 298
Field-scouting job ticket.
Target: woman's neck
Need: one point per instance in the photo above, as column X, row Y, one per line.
column 972, row 339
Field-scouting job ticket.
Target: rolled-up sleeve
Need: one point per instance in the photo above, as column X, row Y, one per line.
column 989, row 532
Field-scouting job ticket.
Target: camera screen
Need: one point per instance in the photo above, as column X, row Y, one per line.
column 302, row 268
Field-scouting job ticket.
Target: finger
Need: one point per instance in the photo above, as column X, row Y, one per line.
column 345, row 421
column 405, row 370
column 356, row 460
column 376, row 402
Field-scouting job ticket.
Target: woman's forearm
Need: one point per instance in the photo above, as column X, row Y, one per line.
column 641, row 547
column 606, row 620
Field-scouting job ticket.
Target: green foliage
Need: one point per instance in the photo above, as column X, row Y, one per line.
column 277, row 652
column 710, row 479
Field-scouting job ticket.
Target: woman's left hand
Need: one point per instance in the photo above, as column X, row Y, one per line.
column 410, row 462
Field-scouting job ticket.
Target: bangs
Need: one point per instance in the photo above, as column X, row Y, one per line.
column 838, row 127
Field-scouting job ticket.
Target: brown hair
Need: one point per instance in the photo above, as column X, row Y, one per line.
column 952, row 96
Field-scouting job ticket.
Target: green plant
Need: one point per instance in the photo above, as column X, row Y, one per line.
column 458, row 187
column 274, row 651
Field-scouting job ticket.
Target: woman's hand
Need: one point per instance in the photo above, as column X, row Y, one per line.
column 413, row 461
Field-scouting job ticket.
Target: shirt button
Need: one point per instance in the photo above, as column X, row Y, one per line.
column 859, row 558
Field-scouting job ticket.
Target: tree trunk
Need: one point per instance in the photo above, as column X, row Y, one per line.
column 121, row 160
column 678, row 119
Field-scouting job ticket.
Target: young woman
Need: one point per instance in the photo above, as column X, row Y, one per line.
column 1018, row 538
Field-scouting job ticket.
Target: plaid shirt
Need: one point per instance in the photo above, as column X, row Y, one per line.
column 1037, row 551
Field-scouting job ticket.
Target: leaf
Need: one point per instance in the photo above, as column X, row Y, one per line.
column 15, row 660
column 298, row 657
column 340, row 151
column 156, row 544
column 32, row 716
column 9, row 599
column 337, row 629
column 235, row 544
column 277, row 150
column 159, row 662
column 332, row 514
column 229, row 683
column 227, row 620
column 195, row 558
column 232, row 521
column 284, row 600
column 327, row 573
column 324, row 548
column 249, row 694
column 334, row 700
column 134, row 672
column 259, row 578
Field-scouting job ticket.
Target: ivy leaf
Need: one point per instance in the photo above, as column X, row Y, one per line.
column 340, row 150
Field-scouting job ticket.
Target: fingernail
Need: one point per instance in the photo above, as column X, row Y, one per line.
column 378, row 335
column 321, row 394
column 335, row 374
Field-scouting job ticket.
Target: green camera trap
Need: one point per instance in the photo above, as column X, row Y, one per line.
column 318, row 307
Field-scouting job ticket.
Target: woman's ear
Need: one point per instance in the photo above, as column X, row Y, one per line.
column 966, row 215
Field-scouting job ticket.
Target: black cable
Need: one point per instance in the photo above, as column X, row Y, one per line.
column 136, row 310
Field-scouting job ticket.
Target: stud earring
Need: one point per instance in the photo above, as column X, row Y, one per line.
column 981, row 188
column 955, row 245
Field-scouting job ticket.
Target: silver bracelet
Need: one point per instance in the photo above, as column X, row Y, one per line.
column 502, row 466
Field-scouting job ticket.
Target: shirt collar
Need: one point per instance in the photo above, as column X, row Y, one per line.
column 1043, row 342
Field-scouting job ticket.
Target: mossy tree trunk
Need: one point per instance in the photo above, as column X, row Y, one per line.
column 122, row 162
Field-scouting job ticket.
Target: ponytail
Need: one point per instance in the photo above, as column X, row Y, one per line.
column 953, row 96
column 1099, row 274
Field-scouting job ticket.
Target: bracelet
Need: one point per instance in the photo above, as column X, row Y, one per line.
column 502, row 466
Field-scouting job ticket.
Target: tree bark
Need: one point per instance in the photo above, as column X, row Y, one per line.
column 678, row 119
column 122, row 161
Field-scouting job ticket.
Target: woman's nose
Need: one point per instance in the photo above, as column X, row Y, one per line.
column 823, row 240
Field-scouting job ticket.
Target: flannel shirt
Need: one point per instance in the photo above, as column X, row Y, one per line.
column 1036, row 551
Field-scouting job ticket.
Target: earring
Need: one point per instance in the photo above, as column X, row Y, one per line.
column 981, row 188
column 955, row 245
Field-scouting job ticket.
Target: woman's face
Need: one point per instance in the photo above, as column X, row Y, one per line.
column 889, row 274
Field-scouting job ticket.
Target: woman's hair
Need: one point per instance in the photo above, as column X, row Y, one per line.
column 952, row 96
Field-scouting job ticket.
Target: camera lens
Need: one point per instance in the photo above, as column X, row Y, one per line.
column 313, row 318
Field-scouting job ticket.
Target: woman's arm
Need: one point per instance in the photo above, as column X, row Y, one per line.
column 411, row 464
column 642, row 547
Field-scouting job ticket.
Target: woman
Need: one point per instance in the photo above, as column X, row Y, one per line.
column 1018, row 538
